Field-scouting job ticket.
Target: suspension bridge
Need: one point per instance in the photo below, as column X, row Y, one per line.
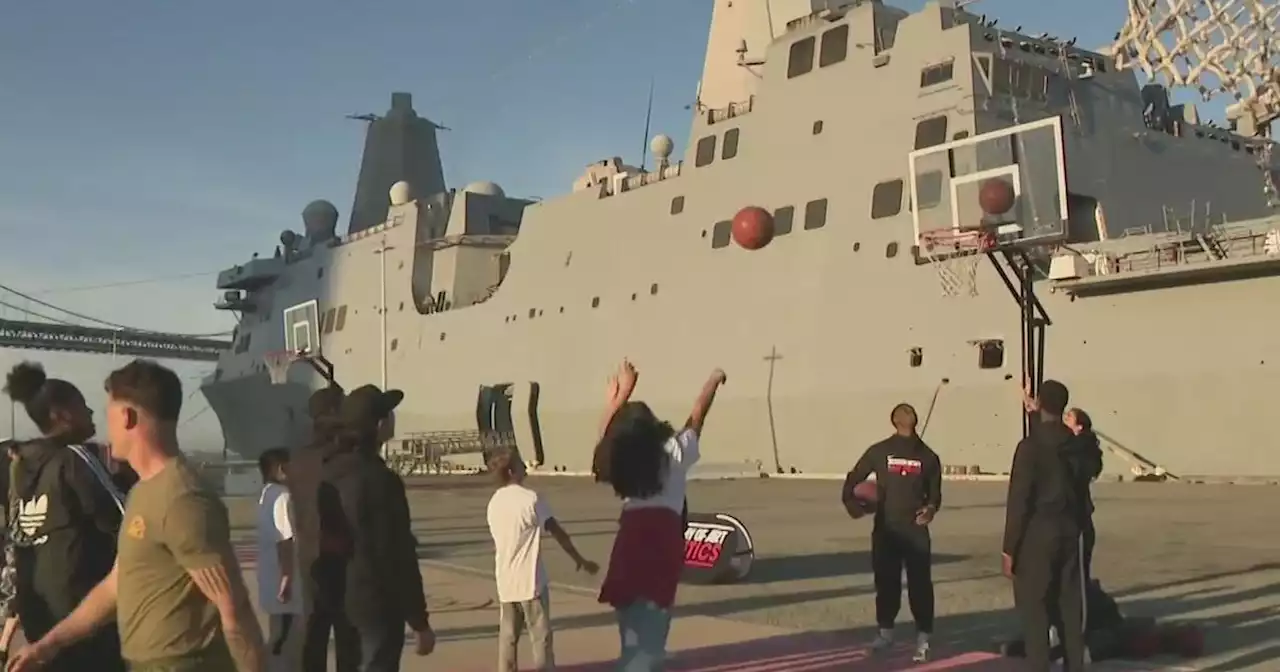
column 28, row 322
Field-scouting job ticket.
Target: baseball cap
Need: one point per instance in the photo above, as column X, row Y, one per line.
column 368, row 404
column 325, row 402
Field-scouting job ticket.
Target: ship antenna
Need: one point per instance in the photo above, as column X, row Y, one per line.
column 648, row 117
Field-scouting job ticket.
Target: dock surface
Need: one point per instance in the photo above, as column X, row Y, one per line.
column 1195, row 553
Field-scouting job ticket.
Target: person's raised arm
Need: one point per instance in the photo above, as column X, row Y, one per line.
column 621, row 385
column 702, row 405
column 196, row 530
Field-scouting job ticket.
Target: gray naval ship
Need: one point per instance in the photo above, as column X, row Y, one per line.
column 1134, row 263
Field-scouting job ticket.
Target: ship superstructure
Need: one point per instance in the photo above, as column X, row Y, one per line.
column 863, row 130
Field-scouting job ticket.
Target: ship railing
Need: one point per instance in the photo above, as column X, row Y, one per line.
column 730, row 111
column 426, row 452
column 1217, row 244
column 624, row 182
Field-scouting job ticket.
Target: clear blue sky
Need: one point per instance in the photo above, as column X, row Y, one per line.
column 155, row 139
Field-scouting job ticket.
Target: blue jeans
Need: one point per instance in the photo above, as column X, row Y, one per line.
column 642, row 628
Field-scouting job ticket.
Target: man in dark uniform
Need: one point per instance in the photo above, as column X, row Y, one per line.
column 1043, row 521
column 909, row 476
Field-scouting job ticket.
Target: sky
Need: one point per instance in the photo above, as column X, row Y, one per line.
column 145, row 145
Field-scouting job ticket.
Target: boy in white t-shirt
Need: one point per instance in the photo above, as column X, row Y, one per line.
column 276, row 566
column 517, row 516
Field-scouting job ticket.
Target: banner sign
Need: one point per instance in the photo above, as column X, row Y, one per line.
column 717, row 549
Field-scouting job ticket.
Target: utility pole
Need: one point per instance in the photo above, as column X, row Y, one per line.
column 772, row 358
column 382, row 255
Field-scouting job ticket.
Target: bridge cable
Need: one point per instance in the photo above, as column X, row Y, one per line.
column 90, row 318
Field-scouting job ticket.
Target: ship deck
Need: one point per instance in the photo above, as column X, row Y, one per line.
column 1203, row 553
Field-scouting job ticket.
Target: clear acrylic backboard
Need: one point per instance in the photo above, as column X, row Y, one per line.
column 946, row 180
column 302, row 327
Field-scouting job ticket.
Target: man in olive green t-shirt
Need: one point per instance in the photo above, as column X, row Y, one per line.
column 176, row 589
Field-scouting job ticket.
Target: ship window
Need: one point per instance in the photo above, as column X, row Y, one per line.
column 931, row 131
column 320, row 272
column 595, row 302
column 917, row 357
column 1001, row 77
column 720, row 234
column 815, row 214
column 960, row 135
column 984, row 64
column 801, row 61
column 937, row 74
column 395, row 343
column 342, row 319
column 834, row 47
column 929, row 189
column 886, row 199
column 891, row 250
column 706, row 152
column 885, row 38
column 990, row 354
column 653, row 289
column 677, row 205
column 817, row 127
column 783, row 219
column 326, row 322
column 533, row 312
column 402, row 306
column 730, row 148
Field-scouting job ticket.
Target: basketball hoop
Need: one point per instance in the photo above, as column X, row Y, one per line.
column 955, row 256
column 278, row 363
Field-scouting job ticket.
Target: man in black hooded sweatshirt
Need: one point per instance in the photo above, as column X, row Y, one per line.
column 362, row 505
column 1043, row 522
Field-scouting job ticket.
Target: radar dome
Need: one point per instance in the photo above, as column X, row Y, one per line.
column 320, row 219
column 661, row 146
column 485, row 188
column 288, row 238
column 401, row 193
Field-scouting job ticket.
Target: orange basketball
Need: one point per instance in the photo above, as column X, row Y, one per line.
column 752, row 228
column 996, row 196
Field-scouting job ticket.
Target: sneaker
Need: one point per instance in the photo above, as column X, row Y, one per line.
column 922, row 651
column 882, row 642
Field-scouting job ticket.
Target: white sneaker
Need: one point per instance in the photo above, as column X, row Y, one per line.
column 882, row 642
column 922, row 650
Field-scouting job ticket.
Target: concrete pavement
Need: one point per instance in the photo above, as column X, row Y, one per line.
column 465, row 617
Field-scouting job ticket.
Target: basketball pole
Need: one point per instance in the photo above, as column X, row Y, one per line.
column 1019, row 279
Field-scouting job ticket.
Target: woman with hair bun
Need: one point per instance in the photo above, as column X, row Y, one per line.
column 66, row 516
column 647, row 461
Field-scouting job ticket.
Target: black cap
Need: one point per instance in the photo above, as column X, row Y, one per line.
column 367, row 404
column 325, row 402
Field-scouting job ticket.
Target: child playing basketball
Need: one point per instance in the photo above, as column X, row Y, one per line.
column 517, row 516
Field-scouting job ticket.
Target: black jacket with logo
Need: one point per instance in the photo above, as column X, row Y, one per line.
column 65, row 536
column 368, row 557
column 909, row 476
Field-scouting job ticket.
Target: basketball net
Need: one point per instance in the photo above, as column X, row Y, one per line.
column 278, row 363
column 955, row 256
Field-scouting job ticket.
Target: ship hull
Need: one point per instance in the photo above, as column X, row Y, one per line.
column 1180, row 375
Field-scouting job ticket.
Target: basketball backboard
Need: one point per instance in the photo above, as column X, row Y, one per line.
column 302, row 327
column 946, row 180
